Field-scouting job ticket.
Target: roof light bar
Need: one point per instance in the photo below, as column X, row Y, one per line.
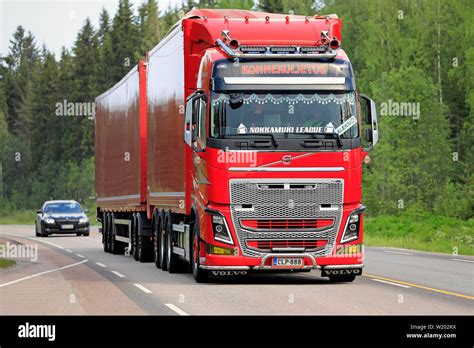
column 275, row 52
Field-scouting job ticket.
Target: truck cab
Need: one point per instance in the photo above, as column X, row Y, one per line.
column 275, row 139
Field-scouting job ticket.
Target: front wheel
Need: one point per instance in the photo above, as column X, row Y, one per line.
column 43, row 232
column 342, row 278
column 200, row 275
column 36, row 231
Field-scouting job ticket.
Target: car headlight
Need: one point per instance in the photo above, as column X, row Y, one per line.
column 83, row 220
column 49, row 221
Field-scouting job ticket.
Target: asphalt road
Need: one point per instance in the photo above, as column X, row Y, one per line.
column 73, row 275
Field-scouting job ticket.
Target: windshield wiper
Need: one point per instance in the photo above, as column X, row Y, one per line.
column 271, row 135
column 333, row 135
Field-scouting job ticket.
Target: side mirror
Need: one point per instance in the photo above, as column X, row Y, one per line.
column 191, row 121
column 39, row 212
column 370, row 115
column 188, row 122
column 368, row 135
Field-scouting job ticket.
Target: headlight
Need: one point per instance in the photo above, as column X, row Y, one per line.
column 49, row 221
column 351, row 232
column 219, row 227
column 83, row 220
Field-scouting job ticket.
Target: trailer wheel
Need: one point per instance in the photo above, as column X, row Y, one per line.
column 342, row 278
column 156, row 241
column 134, row 237
column 173, row 259
column 200, row 275
column 145, row 247
column 116, row 247
column 163, row 247
column 105, row 232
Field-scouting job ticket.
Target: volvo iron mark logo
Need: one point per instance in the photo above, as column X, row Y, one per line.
column 286, row 159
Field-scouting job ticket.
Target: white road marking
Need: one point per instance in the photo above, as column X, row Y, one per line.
column 42, row 273
column 100, row 264
column 397, row 252
column 460, row 260
column 45, row 242
column 142, row 288
column 120, row 275
column 175, row 309
column 384, row 281
column 80, row 255
column 69, row 250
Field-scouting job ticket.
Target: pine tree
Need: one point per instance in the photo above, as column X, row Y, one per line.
column 123, row 36
column 149, row 26
column 104, row 26
column 85, row 60
column 272, row 6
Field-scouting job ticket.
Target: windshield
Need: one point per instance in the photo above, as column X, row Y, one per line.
column 61, row 208
column 283, row 114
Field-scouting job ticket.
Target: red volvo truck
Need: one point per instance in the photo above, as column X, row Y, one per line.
column 237, row 147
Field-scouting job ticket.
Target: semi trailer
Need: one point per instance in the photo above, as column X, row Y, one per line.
column 236, row 146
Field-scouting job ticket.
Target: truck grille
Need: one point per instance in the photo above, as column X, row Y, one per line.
column 280, row 201
column 268, row 245
column 287, row 224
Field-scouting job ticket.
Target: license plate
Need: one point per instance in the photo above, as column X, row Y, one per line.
column 67, row 227
column 287, row 262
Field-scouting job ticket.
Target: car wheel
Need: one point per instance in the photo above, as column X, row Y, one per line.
column 78, row 234
column 86, row 234
column 36, row 231
column 42, row 231
column 200, row 275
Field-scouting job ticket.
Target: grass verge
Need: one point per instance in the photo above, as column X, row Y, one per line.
column 423, row 232
column 5, row 263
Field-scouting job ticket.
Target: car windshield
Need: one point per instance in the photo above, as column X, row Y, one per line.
column 283, row 114
column 61, row 208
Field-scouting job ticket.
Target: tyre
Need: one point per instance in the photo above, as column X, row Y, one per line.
column 105, row 231
column 109, row 232
column 36, row 231
column 200, row 275
column 86, row 234
column 342, row 278
column 163, row 247
column 42, row 232
column 78, row 234
column 145, row 247
column 134, row 238
column 173, row 261
column 156, row 241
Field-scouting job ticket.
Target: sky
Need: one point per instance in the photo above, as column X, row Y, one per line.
column 55, row 23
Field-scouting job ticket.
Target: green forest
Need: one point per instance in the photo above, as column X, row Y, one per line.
column 404, row 53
